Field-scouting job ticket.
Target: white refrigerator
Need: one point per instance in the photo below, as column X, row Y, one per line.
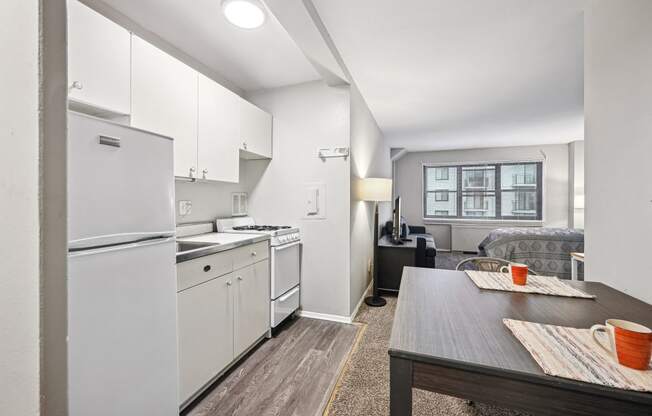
column 122, row 317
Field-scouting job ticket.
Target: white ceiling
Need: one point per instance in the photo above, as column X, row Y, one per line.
column 441, row 74
column 251, row 59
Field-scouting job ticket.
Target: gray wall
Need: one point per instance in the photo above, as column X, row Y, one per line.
column 369, row 158
column 408, row 174
column 618, row 144
column 307, row 117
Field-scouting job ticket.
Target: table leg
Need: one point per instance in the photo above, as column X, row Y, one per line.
column 400, row 387
column 573, row 268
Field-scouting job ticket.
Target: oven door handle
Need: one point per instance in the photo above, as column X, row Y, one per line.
column 283, row 247
column 288, row 295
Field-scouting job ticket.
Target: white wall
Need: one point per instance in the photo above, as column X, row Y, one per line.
column 19, row 222
column 369, row 158
column 409, row 185
column 618, row 144
column 306, row 117
column 576, row 184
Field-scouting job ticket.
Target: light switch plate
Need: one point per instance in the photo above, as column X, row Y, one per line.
column 185, row 208
column 315, row 201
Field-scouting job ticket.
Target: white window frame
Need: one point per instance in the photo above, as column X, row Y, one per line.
column 489, row 221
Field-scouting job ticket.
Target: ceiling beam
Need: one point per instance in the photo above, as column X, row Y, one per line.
column 302, row 22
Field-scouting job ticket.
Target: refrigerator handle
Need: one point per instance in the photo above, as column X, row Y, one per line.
column 144, row 243
column 115, row 239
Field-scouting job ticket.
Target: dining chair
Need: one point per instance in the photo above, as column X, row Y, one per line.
column 486, row 264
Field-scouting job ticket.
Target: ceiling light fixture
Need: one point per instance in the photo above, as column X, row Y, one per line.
column 245, row 14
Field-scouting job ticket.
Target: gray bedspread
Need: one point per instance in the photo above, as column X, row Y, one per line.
column 544, row 250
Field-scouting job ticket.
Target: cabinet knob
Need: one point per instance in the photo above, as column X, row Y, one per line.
column 207, row 268
column 77, row 85
column 239, row 277
column 253, row 253
column 229, row 283
column 204, row 173
column 192, row 172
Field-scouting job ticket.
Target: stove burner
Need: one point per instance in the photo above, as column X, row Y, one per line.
column 260, row 227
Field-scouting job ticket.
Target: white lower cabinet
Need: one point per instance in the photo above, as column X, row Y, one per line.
column 219, row 317
column 205, row 323
column 251, row 305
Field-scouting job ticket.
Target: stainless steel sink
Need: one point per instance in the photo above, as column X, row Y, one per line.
column 183, row 246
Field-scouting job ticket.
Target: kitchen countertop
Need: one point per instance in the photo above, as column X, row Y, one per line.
column 222, row 241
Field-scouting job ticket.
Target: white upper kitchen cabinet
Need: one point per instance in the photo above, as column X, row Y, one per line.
column 255, row 132
column 164, row 96
column 98, row 62
column 218, row 139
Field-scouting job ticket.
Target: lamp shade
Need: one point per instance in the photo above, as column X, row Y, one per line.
column 375, row 189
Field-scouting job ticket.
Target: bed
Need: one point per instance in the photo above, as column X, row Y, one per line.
column 545, row 250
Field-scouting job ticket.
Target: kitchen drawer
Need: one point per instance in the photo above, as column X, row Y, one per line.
column 285, row 305
column 202, row 269
column 247, row 255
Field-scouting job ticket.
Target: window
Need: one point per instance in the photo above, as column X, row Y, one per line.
column 496, row 191
column 441, row 174
column 441, row 196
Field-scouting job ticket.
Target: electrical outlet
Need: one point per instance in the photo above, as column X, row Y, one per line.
column 185, row 208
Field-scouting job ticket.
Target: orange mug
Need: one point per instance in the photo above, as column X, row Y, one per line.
column 518, row 272
column 629, row 343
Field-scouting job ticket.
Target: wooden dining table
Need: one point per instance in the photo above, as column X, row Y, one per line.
column 448, row 337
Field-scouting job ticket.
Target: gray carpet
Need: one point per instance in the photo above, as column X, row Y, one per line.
column 363, row 389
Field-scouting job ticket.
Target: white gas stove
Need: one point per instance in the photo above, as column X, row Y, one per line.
column 280, row 234
column 285, row 254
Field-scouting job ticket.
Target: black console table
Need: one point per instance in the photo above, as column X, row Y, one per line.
column 391, row 260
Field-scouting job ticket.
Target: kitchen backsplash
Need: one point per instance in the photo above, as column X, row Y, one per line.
column 212, row 200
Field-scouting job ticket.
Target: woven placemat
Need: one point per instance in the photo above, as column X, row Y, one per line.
column 572, row 353
column 544, row 285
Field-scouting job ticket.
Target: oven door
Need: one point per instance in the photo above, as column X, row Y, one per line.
column 286, row 268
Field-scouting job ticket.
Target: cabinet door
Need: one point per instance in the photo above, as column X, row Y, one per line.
column 251, row 304
column 256, row 131
column 98, row 60
column 205, row 319
column 164, row 100
column 219, row 132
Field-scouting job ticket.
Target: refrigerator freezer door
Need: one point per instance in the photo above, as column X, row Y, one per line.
column 120, row 183
column 122, row 326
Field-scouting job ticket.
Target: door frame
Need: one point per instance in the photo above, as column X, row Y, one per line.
column 53, row 98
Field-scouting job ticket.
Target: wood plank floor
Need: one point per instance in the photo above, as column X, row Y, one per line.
column 290, row 375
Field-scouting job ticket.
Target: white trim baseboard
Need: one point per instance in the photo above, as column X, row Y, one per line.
column 337, row 318
column 364, row 295
column 325, row 316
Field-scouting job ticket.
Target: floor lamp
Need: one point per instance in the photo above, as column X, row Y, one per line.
column 375, row 190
